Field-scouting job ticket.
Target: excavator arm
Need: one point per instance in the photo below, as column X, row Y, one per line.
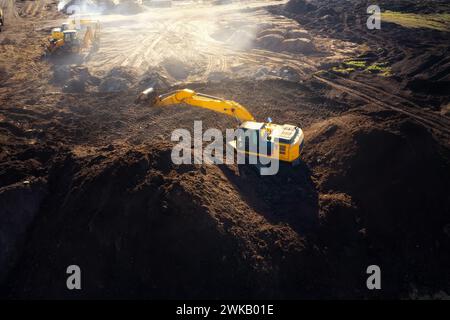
column 192, row 98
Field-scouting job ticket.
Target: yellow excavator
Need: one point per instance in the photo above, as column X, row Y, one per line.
column 284, row 142
column 68, row 38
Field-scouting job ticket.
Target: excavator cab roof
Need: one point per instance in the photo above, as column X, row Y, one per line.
column 70, row 35
column 286, row 133
column 252, row 125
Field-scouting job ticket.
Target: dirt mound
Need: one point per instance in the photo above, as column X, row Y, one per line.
column 151, row 229
column 8, row 41
column 118, row 79
column 289, row 73
column 289, row 32
column 217, row 76
column 241, row 39
column 297, row 33
column 128, row 8
column 300, row 6
column 124, row 7
column 74, row 86
column 126, row 73
column 270, row 41
column 272, row 31
column 85, row 178
column 153, row 79
column 97, row 6
column 396, row 175
column 425, row 6
column 371, row 190
column 413, row 56
column 61, row 73
column 176, row 68
column 278, row 42
column 300, row 45
column 223, row 33
column 239, row 36
column 20, row 203
column 429, row 87
column 426, row 74
column 113, row 84
column 73, row 78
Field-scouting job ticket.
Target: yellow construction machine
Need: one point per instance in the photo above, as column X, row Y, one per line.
column 75, row 37
column 283, row 142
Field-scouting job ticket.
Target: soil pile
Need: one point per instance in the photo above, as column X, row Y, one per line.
column 177, row 69
column 396, row 176
column 300, row 6
column 291, row 40
column 129, row 7
column 417, row 58
column 124, row 7
column 86, row 177
column 118, row 79
column 146, row 228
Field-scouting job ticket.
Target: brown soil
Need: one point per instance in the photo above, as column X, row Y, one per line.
column 86, row 178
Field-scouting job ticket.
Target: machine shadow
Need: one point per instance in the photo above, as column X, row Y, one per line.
column 289, row 197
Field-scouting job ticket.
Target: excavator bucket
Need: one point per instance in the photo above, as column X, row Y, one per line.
column 148, row 96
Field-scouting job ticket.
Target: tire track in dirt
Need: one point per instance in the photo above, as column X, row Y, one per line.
column 9, row 10
column 209, row 67
column 439, row 123
column 187, row 37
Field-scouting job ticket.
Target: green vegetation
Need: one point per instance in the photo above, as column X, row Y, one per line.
column 357, row 64
column 343, row 71
column 348, row 67
column 380, row 68
column 320, row 72
column 438, row 21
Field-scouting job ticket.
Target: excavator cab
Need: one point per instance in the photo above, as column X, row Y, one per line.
column 70, row 36
column 251, row 136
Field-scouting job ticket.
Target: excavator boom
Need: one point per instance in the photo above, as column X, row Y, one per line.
column 283, row 141
column 190, row 97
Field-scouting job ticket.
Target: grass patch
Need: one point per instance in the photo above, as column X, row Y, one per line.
column 356, row 64
column 380, row 68
column 320, row 73
column 437, row 21
column 343, row 71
